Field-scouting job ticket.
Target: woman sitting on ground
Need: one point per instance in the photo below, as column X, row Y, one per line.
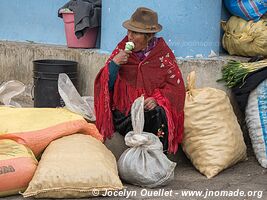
column 150, row 69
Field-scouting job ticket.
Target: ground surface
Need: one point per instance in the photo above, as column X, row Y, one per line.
column 247, row 178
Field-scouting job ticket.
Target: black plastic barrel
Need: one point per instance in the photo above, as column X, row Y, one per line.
column 45, row 75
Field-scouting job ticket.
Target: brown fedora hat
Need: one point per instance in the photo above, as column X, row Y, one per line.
column 143, row 20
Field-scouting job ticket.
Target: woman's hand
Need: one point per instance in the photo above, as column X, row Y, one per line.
column 122, row 57
column 150, row 103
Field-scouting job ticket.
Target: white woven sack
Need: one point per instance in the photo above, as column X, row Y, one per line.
column 144, row 164
column 256, row 119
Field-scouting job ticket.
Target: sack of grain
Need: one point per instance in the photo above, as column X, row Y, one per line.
column 74, row 166
column 37, row 127
column 213, row 140
column 144, row 163
column 17, row 167
column 245, row 38
column 256, row 120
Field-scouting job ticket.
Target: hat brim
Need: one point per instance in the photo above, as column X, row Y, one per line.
column 128, row 26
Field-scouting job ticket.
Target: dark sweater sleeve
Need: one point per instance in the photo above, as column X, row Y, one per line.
column 113, row 69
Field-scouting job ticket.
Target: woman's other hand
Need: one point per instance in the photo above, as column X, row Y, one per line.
column 150, row 103
column 122, row 57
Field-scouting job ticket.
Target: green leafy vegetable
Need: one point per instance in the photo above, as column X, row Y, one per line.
column 235, row 72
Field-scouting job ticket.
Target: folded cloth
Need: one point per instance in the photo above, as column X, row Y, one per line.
column 87, row 14
column 242, row 91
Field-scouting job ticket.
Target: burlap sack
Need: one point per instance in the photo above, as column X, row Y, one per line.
column 17, row 167
column 213, row 140
column 73, row 167
column 245, row 38
column 37, row 127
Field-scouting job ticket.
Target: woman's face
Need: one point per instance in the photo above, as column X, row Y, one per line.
column 139, row 39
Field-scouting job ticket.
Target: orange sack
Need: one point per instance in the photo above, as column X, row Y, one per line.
column 17, row 167
column 37, row 127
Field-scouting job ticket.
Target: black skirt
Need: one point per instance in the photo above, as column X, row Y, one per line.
column 155, row 122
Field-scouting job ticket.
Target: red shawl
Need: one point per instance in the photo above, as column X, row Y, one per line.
column 156, row 76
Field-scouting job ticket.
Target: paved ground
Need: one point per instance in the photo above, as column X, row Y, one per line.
column 247, row 177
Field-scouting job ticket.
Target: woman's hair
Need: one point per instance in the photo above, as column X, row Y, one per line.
column 149, row 36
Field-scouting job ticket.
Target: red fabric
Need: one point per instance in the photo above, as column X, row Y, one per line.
column 156, row 76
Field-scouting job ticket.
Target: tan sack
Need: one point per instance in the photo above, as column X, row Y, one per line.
column 17, row 167
column 74, row 166
column 245, row 38
column 213, row 140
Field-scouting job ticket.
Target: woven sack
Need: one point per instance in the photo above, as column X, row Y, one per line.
column 144, row 163
column 74, row 166
column 37, row 127
column 213, row 140
column 256, row 120
column 17, row 167
column 245, row 38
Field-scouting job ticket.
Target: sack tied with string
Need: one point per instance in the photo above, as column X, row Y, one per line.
column 144, row 163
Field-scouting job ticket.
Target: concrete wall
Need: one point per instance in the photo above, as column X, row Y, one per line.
column 32, row 20
column 189, row 27
column 225, row 15
column 16, row 62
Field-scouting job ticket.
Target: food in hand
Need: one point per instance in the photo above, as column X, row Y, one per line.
column 129, row 46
